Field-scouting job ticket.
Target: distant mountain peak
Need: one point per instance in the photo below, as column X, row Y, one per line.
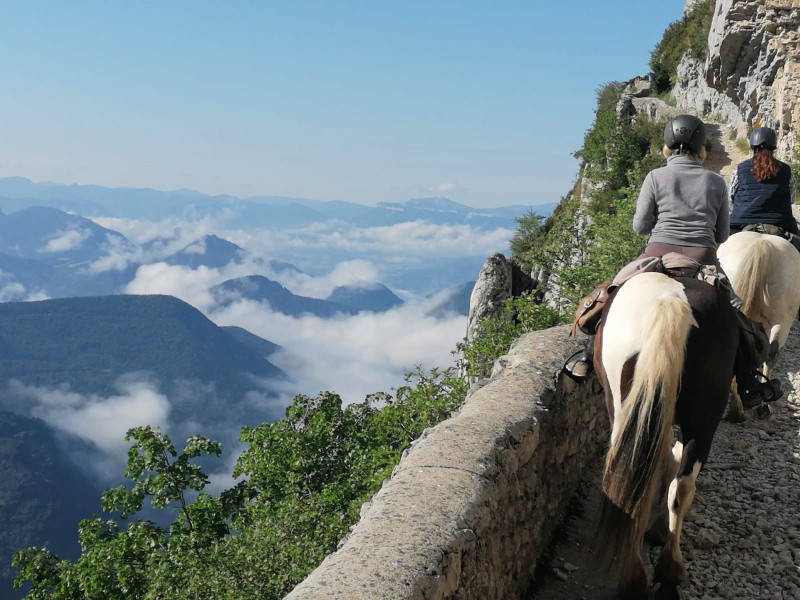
column 438, row 204
column 210, row 251
column 365, row 296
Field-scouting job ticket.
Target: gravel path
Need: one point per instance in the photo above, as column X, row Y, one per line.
column 741, row 537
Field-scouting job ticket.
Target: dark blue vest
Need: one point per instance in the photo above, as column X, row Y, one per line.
column 763, row 201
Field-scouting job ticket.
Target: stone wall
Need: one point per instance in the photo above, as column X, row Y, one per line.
column 473, row 504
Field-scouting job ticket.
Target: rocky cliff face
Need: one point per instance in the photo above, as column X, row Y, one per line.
column 751, row 76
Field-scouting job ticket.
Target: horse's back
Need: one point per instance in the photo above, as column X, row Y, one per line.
column 623, row 323
column 769, row 262
column 733, row 253
column 628, row 325
column 711, row 333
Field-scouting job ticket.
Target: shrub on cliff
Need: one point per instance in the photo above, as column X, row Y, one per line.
column 494, row 335
column 690, row 34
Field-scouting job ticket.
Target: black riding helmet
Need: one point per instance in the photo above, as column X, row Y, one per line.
column 764, row 137
column 685, row 132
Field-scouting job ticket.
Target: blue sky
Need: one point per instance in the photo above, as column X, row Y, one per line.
column 363, row 101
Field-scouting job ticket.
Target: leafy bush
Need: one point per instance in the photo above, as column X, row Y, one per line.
column 743, row 144
column 690, row 34
column 494, row 335
column 306, row 477
column 530, row 232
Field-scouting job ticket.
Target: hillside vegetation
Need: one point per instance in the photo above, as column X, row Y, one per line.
column 43, row 495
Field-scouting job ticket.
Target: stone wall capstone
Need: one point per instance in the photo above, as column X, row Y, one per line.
column 472, row 505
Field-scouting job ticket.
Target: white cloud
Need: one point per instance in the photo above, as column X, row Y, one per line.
column 417, row 239
column 161, row 238
column 16, row 292
column 350, row 355
column 120, row 255
column 350, row 272
column 66, row 240
column 443, row 188
column 190, row 285
column 101, row 422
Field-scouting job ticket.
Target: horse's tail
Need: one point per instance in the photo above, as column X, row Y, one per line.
column 642, row 438
column 751, row 277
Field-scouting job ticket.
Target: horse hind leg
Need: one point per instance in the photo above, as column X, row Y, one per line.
column 735, row 412
column 777, row 338
column 671, row 570
column 658, row 531
column 633, row 577
column 633, row 584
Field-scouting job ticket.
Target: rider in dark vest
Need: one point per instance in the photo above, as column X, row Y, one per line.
column 762, row 189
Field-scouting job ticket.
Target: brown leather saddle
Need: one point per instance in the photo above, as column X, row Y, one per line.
column 774, row 230
column 590, row 308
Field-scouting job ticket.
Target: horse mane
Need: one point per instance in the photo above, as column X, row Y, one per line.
column 752, row 278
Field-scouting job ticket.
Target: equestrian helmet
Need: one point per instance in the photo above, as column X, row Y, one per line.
column 764, row 137
column 685, row 131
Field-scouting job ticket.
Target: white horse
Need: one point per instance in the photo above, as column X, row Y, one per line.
column 765, row 273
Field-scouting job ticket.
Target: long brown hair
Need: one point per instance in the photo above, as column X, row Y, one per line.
column 764, row 164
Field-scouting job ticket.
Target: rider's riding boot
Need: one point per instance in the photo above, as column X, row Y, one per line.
column 753, row 386
column 580, row 365
column 753, row 392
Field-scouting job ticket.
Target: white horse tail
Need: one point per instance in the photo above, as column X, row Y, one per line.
column 751, row 279
column 642, row 433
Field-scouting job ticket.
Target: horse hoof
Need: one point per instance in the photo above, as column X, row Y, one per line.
column 735, row 417
column 763, row 412
column 656, row 535
column 668, row 591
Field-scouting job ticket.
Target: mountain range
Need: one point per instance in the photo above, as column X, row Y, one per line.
column 259, row 212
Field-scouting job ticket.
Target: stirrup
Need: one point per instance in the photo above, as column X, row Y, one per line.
column 572, row 361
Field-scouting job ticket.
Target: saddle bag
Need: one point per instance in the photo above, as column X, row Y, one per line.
column 587, row 317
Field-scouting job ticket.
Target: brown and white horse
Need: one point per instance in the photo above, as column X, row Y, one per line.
column 765, row 273
column 664, row 354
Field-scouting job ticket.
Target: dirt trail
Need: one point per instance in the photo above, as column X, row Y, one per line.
column 724, row 154
column 741, row 537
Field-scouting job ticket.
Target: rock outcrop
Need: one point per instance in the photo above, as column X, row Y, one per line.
column 498, row 280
